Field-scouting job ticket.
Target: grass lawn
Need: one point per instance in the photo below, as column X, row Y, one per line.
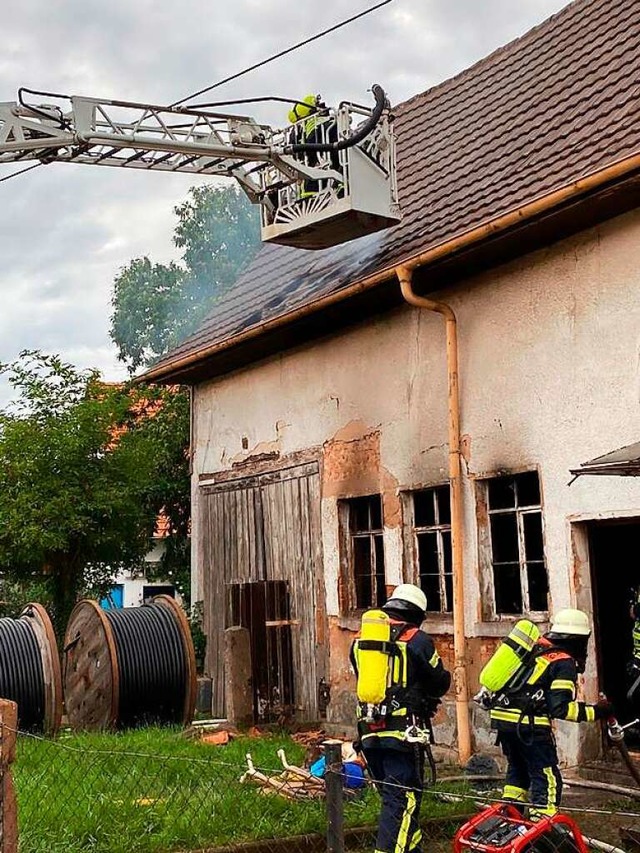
column 153, row 790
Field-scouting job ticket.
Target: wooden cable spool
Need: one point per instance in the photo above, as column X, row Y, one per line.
column 127, row 668
column 30, row 669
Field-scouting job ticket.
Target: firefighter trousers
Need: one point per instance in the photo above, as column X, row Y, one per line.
column 398, row 773
column 532, row 766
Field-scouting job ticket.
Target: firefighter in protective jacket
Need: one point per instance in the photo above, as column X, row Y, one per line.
column 523, row 711
column 417, row 679
column 313, row 125
column 635, row 615
column 633, row 667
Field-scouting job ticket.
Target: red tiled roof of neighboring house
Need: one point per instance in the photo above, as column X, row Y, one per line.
column 555, row 105
column 163, row 527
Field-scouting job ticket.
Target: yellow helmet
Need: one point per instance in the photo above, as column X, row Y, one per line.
column 303, row 108
column 571, row 622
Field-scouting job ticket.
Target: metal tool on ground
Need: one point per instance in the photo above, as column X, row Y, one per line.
column 615, row 733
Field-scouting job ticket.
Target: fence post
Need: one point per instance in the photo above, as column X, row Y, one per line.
column 8, row 805
column 335, row 800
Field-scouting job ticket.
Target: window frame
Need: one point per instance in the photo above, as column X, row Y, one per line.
column 486, row 551
column 348, row 593
column 411, row 534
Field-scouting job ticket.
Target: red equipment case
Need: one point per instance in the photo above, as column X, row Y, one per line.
column 501, row 828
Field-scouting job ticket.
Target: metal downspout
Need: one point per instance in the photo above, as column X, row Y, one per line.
column 404, row 274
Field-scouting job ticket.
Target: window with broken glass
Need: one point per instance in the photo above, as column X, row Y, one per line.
column 431, row 532
column 520, row 582
column 362, row 518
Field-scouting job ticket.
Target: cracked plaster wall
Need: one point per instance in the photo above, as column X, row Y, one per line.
column 549, row 357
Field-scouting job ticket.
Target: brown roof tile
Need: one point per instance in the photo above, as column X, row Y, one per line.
column 550, row 107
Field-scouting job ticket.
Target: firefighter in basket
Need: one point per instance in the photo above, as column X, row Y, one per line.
column 400, row 681
column 529, row 681
column 313, row 124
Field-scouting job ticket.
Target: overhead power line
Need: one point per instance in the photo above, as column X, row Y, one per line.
column 247, row 70
column 282, row 53
column 21, row 172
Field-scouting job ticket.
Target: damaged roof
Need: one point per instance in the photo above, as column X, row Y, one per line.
column 559, row 103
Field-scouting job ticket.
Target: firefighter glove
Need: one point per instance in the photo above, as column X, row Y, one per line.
column 603, row 709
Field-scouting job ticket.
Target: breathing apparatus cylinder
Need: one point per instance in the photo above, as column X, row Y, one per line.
column 509, row 656
column 373, row 658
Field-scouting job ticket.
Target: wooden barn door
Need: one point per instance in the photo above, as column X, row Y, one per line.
column 232, row 552
column 262, row 567
column 291, row 518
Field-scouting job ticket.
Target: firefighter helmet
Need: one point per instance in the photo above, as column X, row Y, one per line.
column 303, row 108
column 571, row 622
column 408, row 593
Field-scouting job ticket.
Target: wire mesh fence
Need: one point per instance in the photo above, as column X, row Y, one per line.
column 157, row 790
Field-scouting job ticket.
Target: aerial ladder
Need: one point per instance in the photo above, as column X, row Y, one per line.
column 312, row 195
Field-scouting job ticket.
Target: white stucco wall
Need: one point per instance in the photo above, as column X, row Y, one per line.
column 133, row 583
column 549, row 350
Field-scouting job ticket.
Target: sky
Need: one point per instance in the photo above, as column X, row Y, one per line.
column 67, row 230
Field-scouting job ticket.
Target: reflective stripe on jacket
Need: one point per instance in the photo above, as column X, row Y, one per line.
column 548, row 692
column 636, row 639
column 419, row 680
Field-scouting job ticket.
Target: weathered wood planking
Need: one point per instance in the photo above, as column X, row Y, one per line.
column 232, row 552
column 90, row 669
column 266, row 527
column 289, row 503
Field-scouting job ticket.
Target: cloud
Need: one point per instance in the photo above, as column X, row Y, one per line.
column 65, row 231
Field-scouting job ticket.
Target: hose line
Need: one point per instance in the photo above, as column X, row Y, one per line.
column 353, row 139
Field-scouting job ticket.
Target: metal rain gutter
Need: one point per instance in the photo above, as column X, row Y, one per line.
column 493, row 227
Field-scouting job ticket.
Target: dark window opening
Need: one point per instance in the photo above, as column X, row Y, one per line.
column 149, row 592
column 366, row 552
column 263, row 607
column 615, row 577
column 517, row 545
column 432, row 532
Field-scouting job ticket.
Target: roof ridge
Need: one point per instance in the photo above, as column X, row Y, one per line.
column 566, row 107
column 585, row 52
column 510, row 47
column 554, row 105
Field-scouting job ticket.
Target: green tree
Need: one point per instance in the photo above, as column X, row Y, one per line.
column 155, row 306
column 171, row 490
column 82, row 468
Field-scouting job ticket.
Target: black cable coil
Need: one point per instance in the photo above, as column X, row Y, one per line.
column 152, row 663
column 21, row 672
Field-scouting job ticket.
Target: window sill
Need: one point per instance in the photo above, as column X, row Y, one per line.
column 433, row 624
column 497, row 626
column 438, row 623
column 350, row 621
